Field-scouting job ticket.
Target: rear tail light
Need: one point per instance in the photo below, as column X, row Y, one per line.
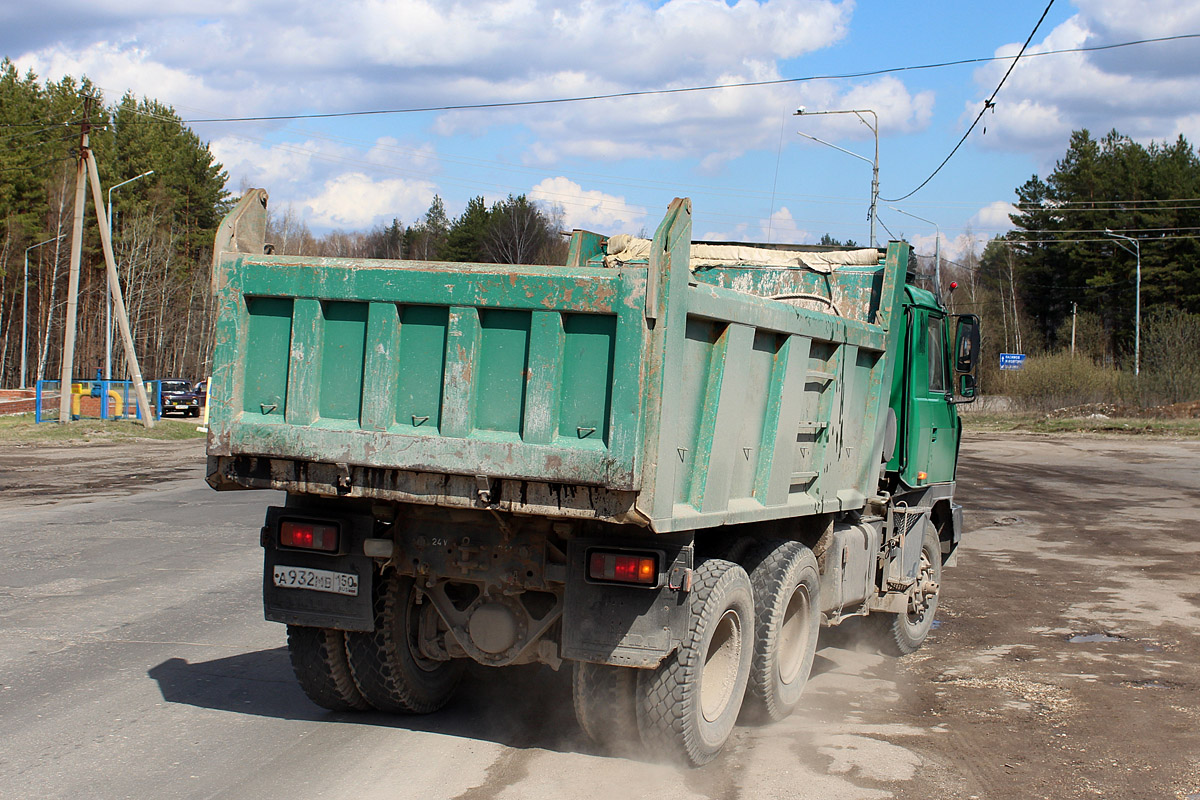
column 309, row 535
column 637, row 568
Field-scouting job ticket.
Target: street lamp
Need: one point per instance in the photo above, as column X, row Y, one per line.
column 108, row 305
column 858, row 112
column 937, row 247
column 25, row 302
column 1137, row 302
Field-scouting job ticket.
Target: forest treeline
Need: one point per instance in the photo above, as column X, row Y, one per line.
column 1059, row 272
column 515, row 230
column 1055, row 272
column 163, row 228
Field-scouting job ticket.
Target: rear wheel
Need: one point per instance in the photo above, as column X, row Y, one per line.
column 688, row 705
column 319, row 661
column 786, row 582
column 901, row 634
column 605, row 699
column 387, row 664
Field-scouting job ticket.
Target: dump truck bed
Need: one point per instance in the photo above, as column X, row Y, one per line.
column 630, row 386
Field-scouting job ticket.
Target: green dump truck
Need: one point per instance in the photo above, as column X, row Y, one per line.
column 664, row 465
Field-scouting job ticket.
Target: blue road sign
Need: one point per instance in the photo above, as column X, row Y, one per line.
column 1012, row 360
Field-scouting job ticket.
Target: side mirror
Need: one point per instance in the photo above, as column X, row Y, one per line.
column 966, row 344
column 966, row 357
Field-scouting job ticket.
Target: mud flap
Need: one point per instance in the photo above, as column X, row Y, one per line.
column 310, row 606
column 625, row 625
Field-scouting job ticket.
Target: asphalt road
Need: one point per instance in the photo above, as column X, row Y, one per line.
column 134, row 661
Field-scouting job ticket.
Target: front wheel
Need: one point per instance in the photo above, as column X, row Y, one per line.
column 387, row 664
column 901, row 634
column 688, row 705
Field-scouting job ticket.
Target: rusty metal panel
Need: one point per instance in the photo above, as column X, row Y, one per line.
column 697, row 398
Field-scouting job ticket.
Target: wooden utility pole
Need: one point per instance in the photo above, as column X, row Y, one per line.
column 66, row 375
column 87, row 163
column 1073, row 306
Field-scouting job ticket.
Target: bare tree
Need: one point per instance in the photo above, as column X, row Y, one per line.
column 517, row 232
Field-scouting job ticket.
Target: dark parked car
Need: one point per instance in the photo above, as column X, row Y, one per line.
column 178, row 397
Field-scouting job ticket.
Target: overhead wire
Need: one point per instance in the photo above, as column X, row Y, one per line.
column 686, row 89
column 987, row 104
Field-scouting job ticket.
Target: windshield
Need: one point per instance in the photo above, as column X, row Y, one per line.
column 176, row 386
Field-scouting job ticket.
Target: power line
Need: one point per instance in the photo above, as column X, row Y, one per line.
column 688, row 89
column 1019, row 242
column 26, row 168
column 1064, row 204
column 989, row 103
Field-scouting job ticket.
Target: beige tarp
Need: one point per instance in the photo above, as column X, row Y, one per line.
column 623, row 248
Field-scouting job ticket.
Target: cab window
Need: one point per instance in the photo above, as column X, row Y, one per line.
column 935, row 341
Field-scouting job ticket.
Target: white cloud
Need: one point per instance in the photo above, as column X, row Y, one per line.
column 993, row 218
column 782, row 227
column 589, row 209
column 1147, row 91
column 262, row 164
column 353, row 200
column 241, row 61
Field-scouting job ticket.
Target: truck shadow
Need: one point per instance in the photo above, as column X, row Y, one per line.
column 523, row 707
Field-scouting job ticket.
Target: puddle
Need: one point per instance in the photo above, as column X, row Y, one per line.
column 1007, row 521
column 1082, row 638
column 1149, row 684
column 937, row 623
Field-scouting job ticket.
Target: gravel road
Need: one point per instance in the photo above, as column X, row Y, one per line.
column 134, row 661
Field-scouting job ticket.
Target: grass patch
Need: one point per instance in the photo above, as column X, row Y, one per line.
column 21, row 429
column 1033, row 422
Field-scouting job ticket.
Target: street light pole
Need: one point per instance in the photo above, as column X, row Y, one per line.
column 937, row 247
column 858, row 112
column 25, row 303
column 108, row 304
column 1137, row 302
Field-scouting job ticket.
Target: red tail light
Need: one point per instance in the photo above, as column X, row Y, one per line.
column 640, row 568
column 309, row 535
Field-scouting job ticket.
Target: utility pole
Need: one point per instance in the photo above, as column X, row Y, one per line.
column 858, row 112
column 1073, row 310
column 108, row 305
column 1137, row 302
column 66, row 373
column 87, row 169
column 25, row 304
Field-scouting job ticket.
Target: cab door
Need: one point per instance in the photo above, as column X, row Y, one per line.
column 934, row 423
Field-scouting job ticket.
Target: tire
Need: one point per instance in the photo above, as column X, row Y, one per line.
column 386, row 664
column 687, row 706
column 901, row 634
column 605, row 700
column 787, row 619
column 319, row 661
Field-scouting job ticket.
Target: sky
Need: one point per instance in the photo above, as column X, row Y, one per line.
column 613, row 165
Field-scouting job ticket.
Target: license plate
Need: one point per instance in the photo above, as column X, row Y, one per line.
column 318, row 580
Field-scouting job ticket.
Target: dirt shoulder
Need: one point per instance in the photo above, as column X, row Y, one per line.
column 44, row 473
